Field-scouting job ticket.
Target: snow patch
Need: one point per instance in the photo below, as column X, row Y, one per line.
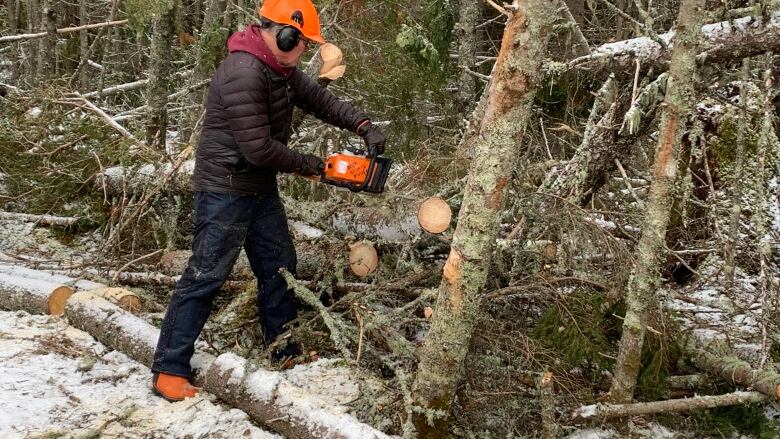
column 59, row 393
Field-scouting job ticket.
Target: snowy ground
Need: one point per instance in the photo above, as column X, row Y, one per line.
column 57, row 381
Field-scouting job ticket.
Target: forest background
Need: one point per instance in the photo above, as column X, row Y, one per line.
column 612, row 169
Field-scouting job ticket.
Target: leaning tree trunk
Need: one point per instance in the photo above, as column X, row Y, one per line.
column 641, row 295
column 469, row 13
column 516, row 78
column 157, row 87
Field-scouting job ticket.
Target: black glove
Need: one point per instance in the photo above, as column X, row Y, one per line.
column 311, row 165
column 372, row 135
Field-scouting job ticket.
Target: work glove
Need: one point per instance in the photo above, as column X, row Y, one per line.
column 311, row 165
column 372, row 135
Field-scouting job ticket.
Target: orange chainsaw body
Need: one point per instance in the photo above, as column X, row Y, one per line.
column 356, row 172
column 347, row 168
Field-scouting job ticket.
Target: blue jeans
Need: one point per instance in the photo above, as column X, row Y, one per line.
column 224, row 223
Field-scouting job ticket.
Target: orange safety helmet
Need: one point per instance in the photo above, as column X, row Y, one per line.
column 300, row 14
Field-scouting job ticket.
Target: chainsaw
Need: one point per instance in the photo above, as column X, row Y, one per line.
column 355, row 170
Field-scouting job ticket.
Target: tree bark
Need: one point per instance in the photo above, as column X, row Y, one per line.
column 47, row 49
column 157, row 88
column 640, row 296
column 33, row 20
column 469, row 12
column 516, row 78
column 83, row 44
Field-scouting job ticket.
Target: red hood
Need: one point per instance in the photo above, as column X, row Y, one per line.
column 249, row 40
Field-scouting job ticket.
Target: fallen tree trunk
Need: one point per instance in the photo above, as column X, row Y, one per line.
column 387, row 223
column 47, row 220
column 723, row 41
column 266, row 396
column 63, row 31
column 32, row 295
column 736, row 371
column 606, row 411
column 315, row 258
column 49, row 276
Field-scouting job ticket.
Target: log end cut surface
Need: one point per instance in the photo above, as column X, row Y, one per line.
column 56, row 303
column 434, row 215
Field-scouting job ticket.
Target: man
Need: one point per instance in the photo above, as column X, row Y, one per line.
column 242, row 147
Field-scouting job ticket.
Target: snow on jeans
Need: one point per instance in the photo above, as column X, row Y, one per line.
column 223, row 224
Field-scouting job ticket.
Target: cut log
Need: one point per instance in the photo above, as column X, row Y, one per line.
column 332, row 74
column 434, row 215
column 32, row 295
column 128, row 300
column 362, row 258
column 268, row 397
column 605, row 411
column 331, row 57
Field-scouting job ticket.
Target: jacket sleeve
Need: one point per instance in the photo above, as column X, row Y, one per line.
column 324, row 105
column 244, row 96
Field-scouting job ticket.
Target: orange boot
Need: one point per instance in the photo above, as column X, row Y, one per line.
column 173, row 388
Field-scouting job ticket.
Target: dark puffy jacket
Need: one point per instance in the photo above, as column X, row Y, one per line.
column 247, row 124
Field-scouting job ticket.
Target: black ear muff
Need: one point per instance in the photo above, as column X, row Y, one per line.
column 287, row 38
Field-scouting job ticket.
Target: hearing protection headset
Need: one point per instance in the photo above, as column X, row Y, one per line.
column 288, row 36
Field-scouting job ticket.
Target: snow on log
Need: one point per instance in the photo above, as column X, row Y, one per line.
column 32, row 295
column 396, row 223
column 726, row 40
column 267, row 396
column 604, row 411
column 47, row 220
column 112, row 326
column 314, row 259
column 48, row 276
column 120, row 179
